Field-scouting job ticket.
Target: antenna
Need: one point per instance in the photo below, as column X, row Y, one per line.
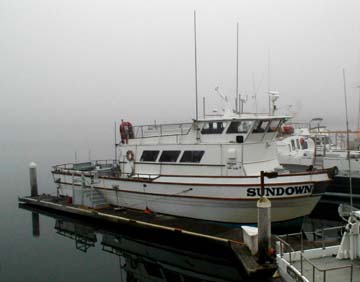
column 115, row 153
column 237, row 106
column 273, row 96
column 196, row 79
column 358, row 121
column 242, row 101
column 254, row 91
column 348, row 143
column 269, row 80
column 204, row 113
column 227, row 104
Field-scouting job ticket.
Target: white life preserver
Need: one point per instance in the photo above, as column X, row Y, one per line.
column 130, row 155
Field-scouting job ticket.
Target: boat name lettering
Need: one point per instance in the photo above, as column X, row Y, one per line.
column 280, row 191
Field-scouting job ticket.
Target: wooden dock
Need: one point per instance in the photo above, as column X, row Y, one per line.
column 164, row 225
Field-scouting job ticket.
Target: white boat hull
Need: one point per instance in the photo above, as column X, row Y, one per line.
column 230, row 200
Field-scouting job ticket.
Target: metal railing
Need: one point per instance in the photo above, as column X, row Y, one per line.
column 143, row 131
column 291, row 253
column 324, row 270
column 71, row 166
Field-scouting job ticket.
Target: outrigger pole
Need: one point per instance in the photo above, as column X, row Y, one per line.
column 348, row 144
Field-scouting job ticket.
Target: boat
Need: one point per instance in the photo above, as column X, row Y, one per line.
column 301, row 144
column 208, row 169
column 327, row 260
column 295, row 149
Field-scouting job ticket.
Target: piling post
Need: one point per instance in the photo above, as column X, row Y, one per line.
column 33, row 179
column 35, row 224
column 264, row 220
column 264, row 228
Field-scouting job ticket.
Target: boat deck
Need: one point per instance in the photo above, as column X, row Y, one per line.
column 342, row 274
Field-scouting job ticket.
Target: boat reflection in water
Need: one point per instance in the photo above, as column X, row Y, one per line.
column 147, row 256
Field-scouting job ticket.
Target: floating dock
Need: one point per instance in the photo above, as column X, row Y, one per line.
column 163, row 225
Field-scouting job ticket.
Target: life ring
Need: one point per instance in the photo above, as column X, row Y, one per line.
column 130, row 155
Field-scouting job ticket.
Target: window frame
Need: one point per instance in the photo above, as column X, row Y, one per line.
column 178, row 152
column 293, row 146
column 202, row 152
column 211, row 129
column 239, row 122
column 142, row 155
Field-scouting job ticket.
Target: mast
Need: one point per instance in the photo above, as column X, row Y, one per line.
column 269, row 86
column 348, row 143
column 196, row 126
column 358, row 121
column 196, row 78
column 237, row 106
column 115, row 152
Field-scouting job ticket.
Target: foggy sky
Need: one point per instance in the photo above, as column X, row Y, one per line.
column 69, row 69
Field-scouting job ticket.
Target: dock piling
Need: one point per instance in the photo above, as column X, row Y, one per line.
column 264, row 228
column 33, row 179
column 264, row 220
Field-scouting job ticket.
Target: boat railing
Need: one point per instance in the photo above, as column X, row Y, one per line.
column 293, row 255
column 84, row 165
column 299, row 125
column 157, row 130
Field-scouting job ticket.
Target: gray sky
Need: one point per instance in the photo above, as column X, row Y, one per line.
column 74, row 67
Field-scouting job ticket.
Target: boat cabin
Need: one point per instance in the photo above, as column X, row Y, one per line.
column 216, row 146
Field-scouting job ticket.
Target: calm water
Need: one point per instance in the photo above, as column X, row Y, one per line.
column 53, row 256
column 49, row 257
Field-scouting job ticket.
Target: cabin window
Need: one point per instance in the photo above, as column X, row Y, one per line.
column 169, row 156
column 298, row 144
column 304, row 144
column 213, row 127
column 191, row 156
column 149, row 156
column 293, row 145
column 274, row 124
column 260, row 126
column 239, row 127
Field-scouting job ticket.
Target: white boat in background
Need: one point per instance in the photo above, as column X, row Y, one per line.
column 208, row 169
column 295, row 148
column 303, row 145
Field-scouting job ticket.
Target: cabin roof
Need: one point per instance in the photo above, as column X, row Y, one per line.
column 245, row 116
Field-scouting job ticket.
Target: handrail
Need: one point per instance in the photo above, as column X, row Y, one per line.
column 302, row 256
column 69, row 166
column 157, row 130
column 316, row 232
column 324, row 270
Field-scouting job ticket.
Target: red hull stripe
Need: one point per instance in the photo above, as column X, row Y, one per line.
column 203, row 184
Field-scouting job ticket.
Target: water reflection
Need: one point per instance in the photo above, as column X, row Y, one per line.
column 145, row 256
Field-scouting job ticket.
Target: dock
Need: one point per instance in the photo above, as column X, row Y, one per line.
column 164, row 226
